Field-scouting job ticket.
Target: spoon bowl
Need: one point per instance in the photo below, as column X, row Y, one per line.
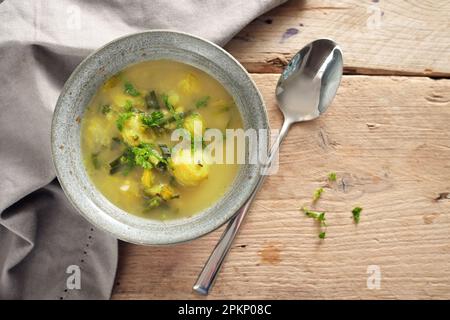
column 310, row 81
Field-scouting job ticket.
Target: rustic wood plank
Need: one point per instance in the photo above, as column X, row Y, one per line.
column 388, row 140
column 386, row 37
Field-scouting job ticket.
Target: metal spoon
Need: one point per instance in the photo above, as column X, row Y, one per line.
column 304, row 91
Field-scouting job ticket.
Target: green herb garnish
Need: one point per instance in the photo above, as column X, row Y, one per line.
column 177, row 116
column 203, row 102
column 131, row 90
column 146, row 156
column 128, row 107
column 332, row 176
column 153, row 120
column 356, row 212
column 123, row 117
column 316, row 215
column 319, row 216
column 317, row 194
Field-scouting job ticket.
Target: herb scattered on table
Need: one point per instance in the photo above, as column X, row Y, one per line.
column 332, row 176
column 318, row 216
column 356, row 212
column 317, row 194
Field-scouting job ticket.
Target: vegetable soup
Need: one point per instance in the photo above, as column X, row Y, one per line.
column 126, row 139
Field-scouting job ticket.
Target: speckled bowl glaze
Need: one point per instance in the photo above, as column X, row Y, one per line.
column 81, row 87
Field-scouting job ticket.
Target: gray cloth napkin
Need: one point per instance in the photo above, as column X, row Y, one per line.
column 47, row 250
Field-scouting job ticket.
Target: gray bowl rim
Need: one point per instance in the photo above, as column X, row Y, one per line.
column 118, row 231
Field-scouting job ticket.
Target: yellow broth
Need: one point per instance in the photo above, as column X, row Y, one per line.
column 113, row 125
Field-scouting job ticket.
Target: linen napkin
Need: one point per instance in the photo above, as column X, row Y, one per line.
column 47, row 250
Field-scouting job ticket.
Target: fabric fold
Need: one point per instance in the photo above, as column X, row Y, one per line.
column 44, row 243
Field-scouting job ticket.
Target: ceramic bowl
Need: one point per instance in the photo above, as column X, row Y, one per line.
column 81, row 87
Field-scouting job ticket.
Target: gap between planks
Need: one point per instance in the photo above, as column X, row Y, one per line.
column 348, row 71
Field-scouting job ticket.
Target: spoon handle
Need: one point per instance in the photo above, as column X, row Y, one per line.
column 211, row 269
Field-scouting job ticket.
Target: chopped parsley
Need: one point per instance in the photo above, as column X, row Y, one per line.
column 177, row 116
column 146, row 156
column 203, row 102
column 153, row 120
column 332, row 176
column 318, row 216
column 317, row 194
column 128, row 106
column 123, row 117
column 131, row 90
column 356, row 212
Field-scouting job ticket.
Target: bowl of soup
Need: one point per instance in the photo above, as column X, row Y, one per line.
column 133, row 132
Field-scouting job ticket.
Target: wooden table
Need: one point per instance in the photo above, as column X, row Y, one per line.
column 387, row 136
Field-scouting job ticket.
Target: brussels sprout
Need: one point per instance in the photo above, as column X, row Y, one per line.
column 193, row 120
column 186, row 171
column 134, row 131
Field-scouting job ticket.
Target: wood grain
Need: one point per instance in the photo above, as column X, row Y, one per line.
column 378, row 37
column 388, row 140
